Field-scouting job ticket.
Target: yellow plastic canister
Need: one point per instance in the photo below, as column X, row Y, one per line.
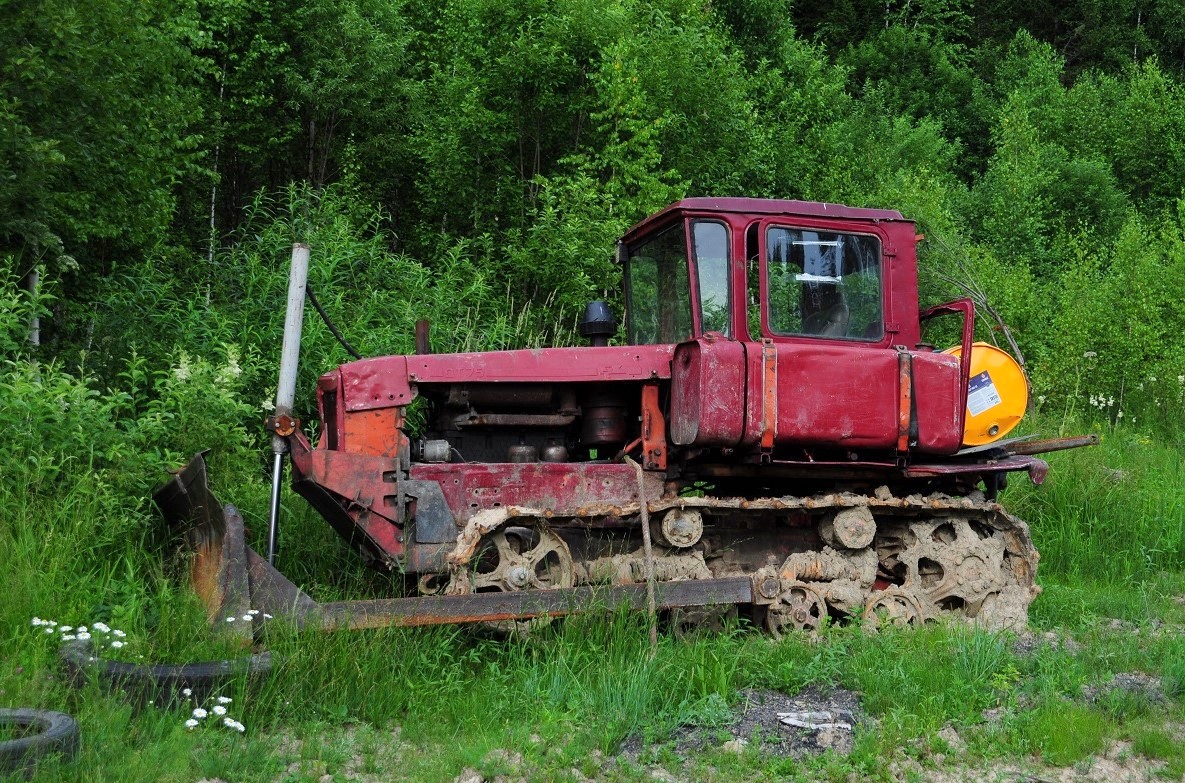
column 997, row 394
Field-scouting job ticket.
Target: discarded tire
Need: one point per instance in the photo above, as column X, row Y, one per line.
column 41, row 733
column 156, row 683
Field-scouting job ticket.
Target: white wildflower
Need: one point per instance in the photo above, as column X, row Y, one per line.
column 118, row 633
column 199, row 713
column 69, row 637
column 186, row 692
column 246, row 618
column 252, row 612
column 1119, row 415
column 38, row 621
column 267, row 616
column 66, row 628
column 101, row 627
column 231, row 370
column 268, row 406
column 84, row 636
column 231, row 619
column 49, row 630
column 234, row 724
column 1110, row 401
column 51, row 623
column 181, row 371
column 218, row 709
column 1040, row 399
column 191, row 724
column 117, row 644
column 225, row 700
column 82, row 629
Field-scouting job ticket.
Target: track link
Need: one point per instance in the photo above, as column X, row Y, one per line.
column 872, row 558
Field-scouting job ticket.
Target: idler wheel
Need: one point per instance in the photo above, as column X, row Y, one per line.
column 798, row 608
column 892, row 606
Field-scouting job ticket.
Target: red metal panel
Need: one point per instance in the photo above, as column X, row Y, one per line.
column 754, row 393
column 389, row 381
column 375, row 383
column 840, row 395
column 938, row 396
column 559, row 488
column 574, row 365
column 901, row 291
column 375, row 432
column 708, row 393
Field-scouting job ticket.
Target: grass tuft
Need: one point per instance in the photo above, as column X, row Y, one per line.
column 1067, row 733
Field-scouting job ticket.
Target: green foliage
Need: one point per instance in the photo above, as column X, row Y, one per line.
column 912, row 73
column 98, row 116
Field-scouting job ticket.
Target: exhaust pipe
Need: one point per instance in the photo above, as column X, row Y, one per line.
column 286, row 387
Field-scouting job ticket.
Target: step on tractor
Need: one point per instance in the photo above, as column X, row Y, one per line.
column 767, row 433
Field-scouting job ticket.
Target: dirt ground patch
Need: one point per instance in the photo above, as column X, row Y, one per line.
column 757, row 722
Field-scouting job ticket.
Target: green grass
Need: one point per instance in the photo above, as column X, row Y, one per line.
column 1065, row 733
column 1111, row 515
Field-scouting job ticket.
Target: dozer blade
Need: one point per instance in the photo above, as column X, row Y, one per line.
column 227, row 575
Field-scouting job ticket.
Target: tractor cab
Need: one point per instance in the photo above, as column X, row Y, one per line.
column 754, row 269
column 795, row 326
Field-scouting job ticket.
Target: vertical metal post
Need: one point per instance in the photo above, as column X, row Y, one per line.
column 286, row 387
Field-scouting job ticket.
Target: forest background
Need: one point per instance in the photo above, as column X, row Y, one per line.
column 464, row 161
column 472, row 162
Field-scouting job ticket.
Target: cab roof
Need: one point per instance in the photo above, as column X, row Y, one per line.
column 759, row 206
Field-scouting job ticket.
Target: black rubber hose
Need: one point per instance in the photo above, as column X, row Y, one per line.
column 308, row 289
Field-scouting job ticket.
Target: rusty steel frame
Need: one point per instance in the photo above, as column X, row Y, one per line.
column 231, row 578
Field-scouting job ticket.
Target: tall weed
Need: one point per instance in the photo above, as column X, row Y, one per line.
column 1113, row 513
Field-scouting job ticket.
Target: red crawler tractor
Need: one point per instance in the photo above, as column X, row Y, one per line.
column 770, row 432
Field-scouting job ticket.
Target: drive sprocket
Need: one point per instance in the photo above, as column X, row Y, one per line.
column 516, row 558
